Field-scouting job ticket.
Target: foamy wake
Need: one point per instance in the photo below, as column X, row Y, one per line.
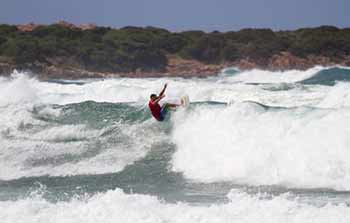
column 115, row 206
column 245, row 143
column 31, row 147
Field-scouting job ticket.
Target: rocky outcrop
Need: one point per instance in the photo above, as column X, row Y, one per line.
column 177, row 67
column 346, row 61
column 66, row 24
column 60, row 68
column 287, row 61
column 88, row 26
column 6, row 66
column 27, row 27
column 190, row 68
column 31, row 26
column 246, row 64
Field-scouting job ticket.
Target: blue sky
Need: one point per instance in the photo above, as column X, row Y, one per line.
column 178, row 15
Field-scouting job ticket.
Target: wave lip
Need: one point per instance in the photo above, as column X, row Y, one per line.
column 329, row 76
column 257, row 76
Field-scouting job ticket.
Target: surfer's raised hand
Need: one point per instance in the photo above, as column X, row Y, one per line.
column 162, row 92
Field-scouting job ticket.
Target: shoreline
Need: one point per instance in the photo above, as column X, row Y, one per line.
column 178, row 67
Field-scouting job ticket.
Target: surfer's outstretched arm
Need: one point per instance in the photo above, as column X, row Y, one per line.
column 162, row 92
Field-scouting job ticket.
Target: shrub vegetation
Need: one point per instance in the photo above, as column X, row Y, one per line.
column 146, row 49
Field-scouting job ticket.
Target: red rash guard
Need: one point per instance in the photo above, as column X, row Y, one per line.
column 155, row 110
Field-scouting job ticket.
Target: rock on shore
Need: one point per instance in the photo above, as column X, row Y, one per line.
column 177, row 67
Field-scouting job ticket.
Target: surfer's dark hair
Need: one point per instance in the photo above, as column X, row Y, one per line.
column 153, row 95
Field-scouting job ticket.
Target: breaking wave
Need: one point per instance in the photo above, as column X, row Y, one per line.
column 252, row 146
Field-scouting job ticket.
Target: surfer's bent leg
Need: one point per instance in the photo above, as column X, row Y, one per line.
column 170, row 105
column 164, row 110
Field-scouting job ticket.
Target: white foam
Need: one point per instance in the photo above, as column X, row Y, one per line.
column 245, row 144
column 116, row 206
column 70, row 149
column 338, row 96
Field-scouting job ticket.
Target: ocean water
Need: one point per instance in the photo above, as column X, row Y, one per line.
column 254, row 146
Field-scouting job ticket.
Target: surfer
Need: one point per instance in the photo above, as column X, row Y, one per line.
column 157, row 111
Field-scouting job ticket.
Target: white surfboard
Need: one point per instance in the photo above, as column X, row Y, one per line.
column 185, row 101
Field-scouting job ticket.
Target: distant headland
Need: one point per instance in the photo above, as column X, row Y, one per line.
column 67, row 51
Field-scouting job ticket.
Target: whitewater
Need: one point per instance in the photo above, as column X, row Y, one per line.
column 253, row 146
